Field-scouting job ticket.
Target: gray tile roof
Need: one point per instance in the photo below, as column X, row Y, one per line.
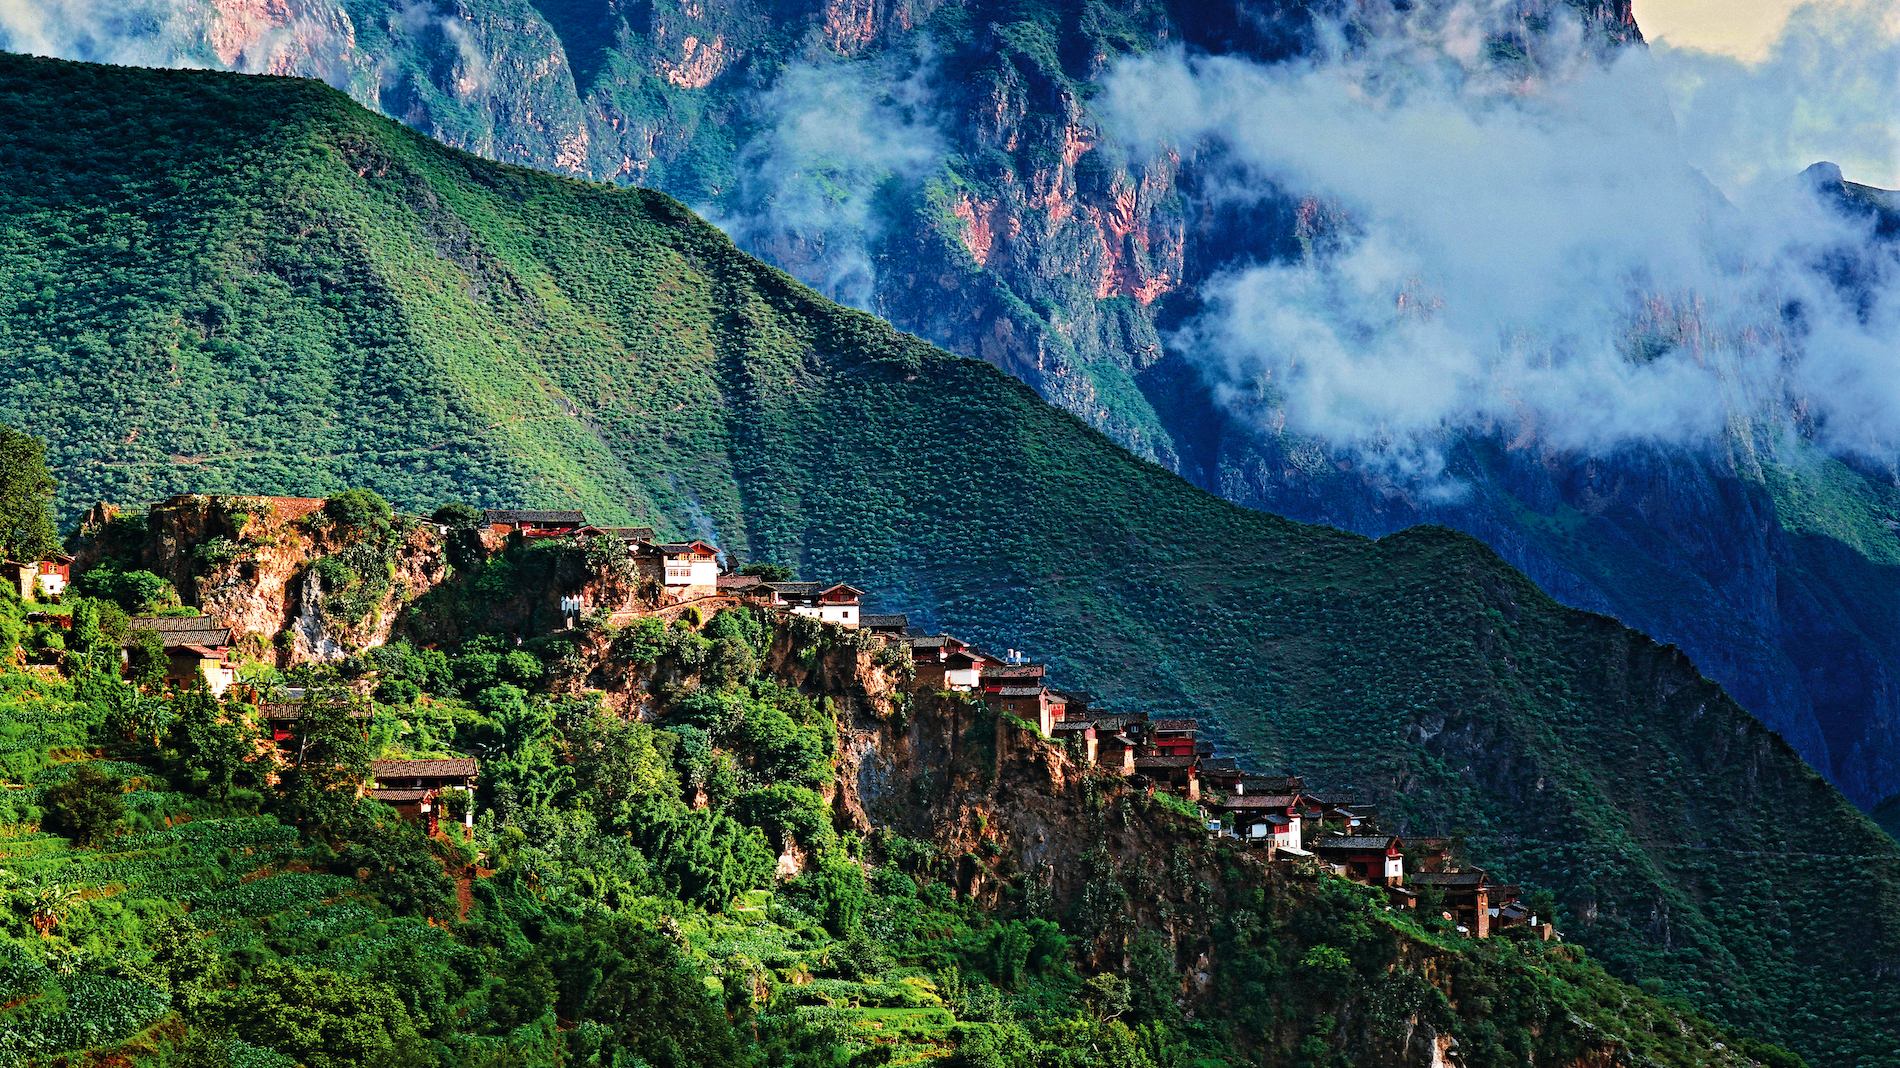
column 508, row 515
column 176, row 631
column 877, row 622
column 1019, row 691
column 1357, row 843
column 456, row 767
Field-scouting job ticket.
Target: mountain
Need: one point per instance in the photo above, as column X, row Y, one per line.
column 216, row 282
column 941, row 165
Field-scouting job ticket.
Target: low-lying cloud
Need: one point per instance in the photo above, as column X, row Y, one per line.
column 832, row 136
column 1507, row 235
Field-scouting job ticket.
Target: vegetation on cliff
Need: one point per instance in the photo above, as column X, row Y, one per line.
column 251, row 284
column 166, row 900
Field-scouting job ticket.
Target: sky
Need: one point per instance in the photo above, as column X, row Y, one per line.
column 1741, row 29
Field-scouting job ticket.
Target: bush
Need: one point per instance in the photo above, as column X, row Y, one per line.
column 87, row 808
column 318, row 1018
column 359, row 510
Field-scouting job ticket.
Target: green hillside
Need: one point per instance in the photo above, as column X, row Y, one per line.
column 211, row 282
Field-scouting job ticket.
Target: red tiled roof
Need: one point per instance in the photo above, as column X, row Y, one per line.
column 388, row 796
column 737, row 582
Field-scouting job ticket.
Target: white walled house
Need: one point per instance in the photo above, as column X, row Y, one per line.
column 691, row 563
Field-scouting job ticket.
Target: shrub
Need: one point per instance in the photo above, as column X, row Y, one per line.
column 359, row 510
column 87, row 808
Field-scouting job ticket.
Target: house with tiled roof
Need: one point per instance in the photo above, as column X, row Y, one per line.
column 414, row 787
column 533, row 524
column 38, row 580
column 283, row 718
column 834, row 603
column 888, row 625
column 1466, row 897
column 1373, row 859
column 683, row 567
column 1034, row 703
column 1173, row 737
column 195, row 647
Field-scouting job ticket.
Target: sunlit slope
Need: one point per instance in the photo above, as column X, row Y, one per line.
column 216, row 282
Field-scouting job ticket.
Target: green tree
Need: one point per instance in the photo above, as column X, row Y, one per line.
column 26, row 497
column 146, row 651
column 209, row 741
column 329, row 757
column 632, row 980
column 769, row 572
column 465, row 536
column 320, row 1019
column 361, row 510
column 86, row 808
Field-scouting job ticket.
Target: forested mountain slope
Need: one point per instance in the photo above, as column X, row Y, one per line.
column 941, row 164
column 219, row 282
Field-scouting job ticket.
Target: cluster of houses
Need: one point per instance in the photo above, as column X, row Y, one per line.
column 1274, row 815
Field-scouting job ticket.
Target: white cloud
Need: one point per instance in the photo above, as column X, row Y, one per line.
column 833, row 134
column 1522, row 248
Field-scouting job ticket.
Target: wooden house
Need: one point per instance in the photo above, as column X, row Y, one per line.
column 195, row 647
column 1467, row 897
column 931, row 654
column 283, row 720
column 890, row 626
column 838, row 603
column 1264, row 817
column 1221, row 773
column 40, row 580
column 1373, row 859
column 1035, row 704
column 1084, row 732
column 414, row 787
column 1175, row 774
column 1173, row 737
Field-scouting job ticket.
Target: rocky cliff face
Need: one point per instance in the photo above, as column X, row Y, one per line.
column 258, row 565
column 1021, row 826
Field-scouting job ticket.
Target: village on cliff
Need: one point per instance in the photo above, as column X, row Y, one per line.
column 1273, row 816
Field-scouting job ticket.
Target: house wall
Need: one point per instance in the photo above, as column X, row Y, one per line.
column 685, row 571
column 965, row 679
column 843, row 614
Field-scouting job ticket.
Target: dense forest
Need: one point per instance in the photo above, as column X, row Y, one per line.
column 212, row 282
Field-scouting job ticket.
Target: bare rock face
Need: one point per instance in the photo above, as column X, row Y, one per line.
column 291, row 583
